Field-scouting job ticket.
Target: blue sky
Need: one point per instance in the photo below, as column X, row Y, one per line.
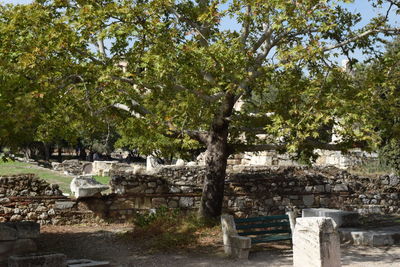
column 360, row 6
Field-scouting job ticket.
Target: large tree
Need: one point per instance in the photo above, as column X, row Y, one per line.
column 178, row 73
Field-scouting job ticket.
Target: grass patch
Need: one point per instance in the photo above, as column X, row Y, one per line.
column 102, row 179
column 15, row 167
column 168, row 230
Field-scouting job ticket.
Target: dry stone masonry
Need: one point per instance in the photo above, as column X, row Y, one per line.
column 249, row 191
column 28, row 198
column 26, row 185
column 254, row 191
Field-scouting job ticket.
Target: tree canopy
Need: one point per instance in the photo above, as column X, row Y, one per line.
column 169, row 77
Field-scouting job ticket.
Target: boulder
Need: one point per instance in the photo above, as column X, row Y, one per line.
column 86, row 186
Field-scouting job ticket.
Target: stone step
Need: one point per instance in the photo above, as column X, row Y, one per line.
column 342, row 218
column 385, row 236
column 87, row 263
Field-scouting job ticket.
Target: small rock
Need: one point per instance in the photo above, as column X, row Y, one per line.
column 16, row 218
column 4, row 200
column 340, row 188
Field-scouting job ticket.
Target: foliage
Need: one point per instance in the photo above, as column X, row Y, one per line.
column 380, row 85
column 390, row 154
column 167, row 76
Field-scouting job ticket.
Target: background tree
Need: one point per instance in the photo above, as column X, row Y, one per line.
column 43, row 95
column 380, row 84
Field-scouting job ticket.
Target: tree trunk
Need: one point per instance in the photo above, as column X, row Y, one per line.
column 59, row 153
column 213, row 187
column 46, row 150
column 216, row 160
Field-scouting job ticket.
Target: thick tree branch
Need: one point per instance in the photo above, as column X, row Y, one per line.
column 101, row 48
column 265, row 37
column 193, row 25
column 246, row 26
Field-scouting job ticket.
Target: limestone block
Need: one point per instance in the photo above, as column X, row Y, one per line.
column 240, row 247
column 45, row 260
column 341, row 218
column 234, row 245
column 102, row 167
column 152, row 165
column 386, row 236
column 87, row 168
column 180, row 162
column 292, row 220
column 319, row 188
column 7, row 233
column 308, row 200
column 158, row 202
column 316, row 243
column 25, row 229
column 62, row 205
column 16, row 247
column 340, row 188
column 86, row 186
column 393, row 180
column 185, row 202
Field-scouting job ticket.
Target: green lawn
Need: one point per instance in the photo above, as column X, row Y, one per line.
column 9, row 168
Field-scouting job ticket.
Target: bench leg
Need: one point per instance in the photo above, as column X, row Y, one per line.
column 238, row 247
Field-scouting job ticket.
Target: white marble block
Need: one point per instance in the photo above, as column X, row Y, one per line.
column 234, row 245
column 316, row 243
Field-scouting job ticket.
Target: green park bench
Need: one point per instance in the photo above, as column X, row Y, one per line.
column 265, row 229
column 240, row 233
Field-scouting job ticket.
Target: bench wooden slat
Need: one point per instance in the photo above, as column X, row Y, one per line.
column 267, row 239
column 262, row 218
column 277, row 231
column 262, row 225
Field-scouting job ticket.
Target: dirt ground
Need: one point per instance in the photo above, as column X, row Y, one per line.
column 115, row 243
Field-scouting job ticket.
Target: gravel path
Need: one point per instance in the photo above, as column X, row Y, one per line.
column 106, row 243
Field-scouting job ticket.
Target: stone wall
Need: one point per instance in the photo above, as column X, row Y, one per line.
column 26, row 197
column 249, row 191
column 26, row 185
column 258, row 190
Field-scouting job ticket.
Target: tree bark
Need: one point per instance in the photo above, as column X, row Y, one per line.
column 213, row 187
column 46, row 151
column 216, row 161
